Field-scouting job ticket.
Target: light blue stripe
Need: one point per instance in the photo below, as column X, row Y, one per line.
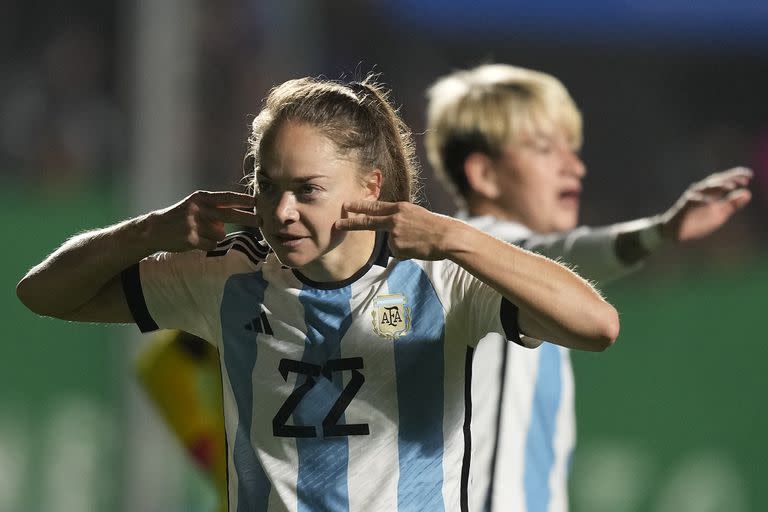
column 243, row 296
column 419, row 363
column 323, row 463
column 539, row 446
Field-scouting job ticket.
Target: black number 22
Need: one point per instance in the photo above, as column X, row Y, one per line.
column 311, row 372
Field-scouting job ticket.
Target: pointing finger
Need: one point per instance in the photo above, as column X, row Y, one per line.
column 739, row 174
column 363, row 223
column 371, row 207
column 228, row 199
column 739, row 198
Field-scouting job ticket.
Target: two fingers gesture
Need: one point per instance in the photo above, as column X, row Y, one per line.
column 414, row 232
column 197, row 221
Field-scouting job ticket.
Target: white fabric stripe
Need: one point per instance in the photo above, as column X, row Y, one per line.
column 374, row 454
column 565, row 437
column 254, row 243
column 522, row 371
column 486, row 387
column 249, row 238
column 258, row 255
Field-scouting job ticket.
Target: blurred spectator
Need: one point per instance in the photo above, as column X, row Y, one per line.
column 59, row 127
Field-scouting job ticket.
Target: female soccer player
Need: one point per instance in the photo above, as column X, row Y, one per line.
column 346, row 363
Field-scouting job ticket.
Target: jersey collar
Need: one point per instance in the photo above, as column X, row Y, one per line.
column 379, row 256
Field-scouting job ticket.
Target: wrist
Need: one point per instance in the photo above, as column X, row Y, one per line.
column 141, row 233
column 637, row 239
column 455, row 238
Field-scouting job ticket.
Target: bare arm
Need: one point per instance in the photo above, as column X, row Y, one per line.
column 554, row 303
column 81, row 279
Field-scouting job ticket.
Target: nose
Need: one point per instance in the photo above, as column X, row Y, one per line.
column 285, row 209
column 573, row 164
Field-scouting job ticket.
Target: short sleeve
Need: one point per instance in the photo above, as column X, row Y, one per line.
column 476, row 308
column 184, row 290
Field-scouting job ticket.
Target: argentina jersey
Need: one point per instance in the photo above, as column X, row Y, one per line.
column 526, row 398
column 341, row 396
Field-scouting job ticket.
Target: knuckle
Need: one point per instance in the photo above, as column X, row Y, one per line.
column 193, row 238
column 193, row 209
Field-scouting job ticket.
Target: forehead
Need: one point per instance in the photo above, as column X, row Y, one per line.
column 299, row 149
column 545, row 129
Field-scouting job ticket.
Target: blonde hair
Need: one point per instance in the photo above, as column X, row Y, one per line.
column 488, row 107
column 357, row 117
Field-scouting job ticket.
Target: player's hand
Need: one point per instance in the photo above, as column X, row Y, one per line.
column 197, row 221
column 707, row 205
column 414, row 232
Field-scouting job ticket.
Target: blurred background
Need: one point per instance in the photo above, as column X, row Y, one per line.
column 110, row 108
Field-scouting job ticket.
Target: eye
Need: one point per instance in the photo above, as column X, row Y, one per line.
column 307, row 190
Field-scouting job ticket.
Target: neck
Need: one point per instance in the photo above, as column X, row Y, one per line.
column 479, row 208
column 341, row 262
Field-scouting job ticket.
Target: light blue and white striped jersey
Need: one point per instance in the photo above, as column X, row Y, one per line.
column 525, row 398
column 346, row 396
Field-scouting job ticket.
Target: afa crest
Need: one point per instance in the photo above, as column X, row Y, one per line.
column 391, row 316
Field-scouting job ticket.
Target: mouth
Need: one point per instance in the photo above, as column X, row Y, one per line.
column 570, row 196
column 288, row 240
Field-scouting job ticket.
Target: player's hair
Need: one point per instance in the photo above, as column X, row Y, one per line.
column 485, row 108
column 357, row 117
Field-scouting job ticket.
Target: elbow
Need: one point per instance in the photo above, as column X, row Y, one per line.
column 607, row 329
column 25, row 294
column 30, row 295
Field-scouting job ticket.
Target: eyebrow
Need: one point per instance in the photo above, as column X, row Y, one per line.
column 301, row 179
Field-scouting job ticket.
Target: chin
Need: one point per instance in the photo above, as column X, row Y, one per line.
column 292, row 259
column 566, row 223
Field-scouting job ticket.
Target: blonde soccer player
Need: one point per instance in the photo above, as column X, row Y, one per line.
column 506, row 141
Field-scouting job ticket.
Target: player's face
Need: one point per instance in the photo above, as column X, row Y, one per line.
column 303, row 184
column 539, row 181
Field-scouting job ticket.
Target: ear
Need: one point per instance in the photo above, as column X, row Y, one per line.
column 372, row 185
column 481, row 175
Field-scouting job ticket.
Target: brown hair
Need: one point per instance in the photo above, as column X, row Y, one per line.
column 357, row 117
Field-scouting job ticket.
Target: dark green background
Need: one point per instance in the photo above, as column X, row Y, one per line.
column 673, row 417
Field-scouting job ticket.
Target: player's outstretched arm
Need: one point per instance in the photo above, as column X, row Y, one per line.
column 606, row 253
column 554, row 303
column 81, row 279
